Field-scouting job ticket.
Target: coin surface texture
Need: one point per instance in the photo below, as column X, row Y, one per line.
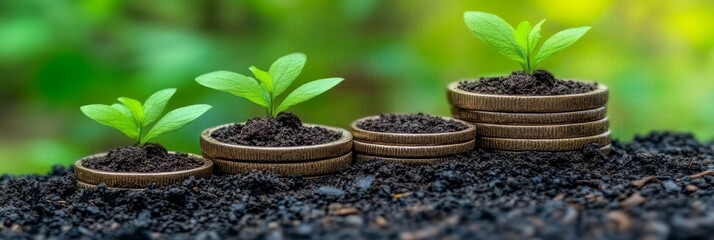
column 543, row 145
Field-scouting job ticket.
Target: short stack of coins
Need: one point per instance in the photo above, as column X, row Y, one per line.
column 408, row 148
column 535, row 123
column 307, row 161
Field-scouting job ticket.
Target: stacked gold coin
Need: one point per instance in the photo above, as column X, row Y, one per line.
column 411, row 148
column 308, row 161
column 90, row 178
column 535, row 123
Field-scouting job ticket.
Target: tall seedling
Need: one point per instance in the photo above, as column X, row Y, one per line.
column 520, row 44
column 270, row 84
column 133, row 118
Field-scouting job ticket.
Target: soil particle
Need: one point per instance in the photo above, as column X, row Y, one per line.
column 286, row 130
column 476, row 195
column 540, row 83
column 149, row 158
column 410, row 123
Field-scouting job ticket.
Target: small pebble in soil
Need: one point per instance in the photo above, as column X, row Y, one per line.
column 149, row 158
column 286, row 130
column 540, row 83
column 410, row 123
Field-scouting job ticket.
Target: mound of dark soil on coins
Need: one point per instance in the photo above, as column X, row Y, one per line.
column 410, row 123
column 540, row 83
column 659, row 186
column 286, row 130
column 150, row 158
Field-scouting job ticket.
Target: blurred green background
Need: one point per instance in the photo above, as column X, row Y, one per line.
column 397, row 56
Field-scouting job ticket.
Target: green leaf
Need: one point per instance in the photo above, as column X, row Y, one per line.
column 155, row 105
column 285, row 70
column 496, row 32
column 521, row 35
column 307, row 91
column 176, row 119
column 235, row 84
column 264, row 78
column 136, row 109
column 534, row 37
column 125, row 111
column 558, row 42
column 111, row 116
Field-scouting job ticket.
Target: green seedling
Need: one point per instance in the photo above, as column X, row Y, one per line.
column 132, row 118
column 270, row 84
column 520, row 44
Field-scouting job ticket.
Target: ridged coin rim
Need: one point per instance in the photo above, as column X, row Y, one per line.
column 529, row 118
column 415, row 151
column 362, row 159
column 607, row 149
column 542, row 145
column 309, row 168
column 572, row 130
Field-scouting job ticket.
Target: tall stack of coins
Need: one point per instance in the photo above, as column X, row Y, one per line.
column 534, row 123
column 411, row 148
column 308, row 161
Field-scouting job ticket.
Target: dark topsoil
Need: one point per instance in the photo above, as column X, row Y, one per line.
column 410, row 123
column 286, row 130
column 659, row 186
column 540, row 83
column 150, row 158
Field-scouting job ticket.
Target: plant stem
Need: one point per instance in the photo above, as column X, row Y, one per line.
column 141, row 135
column 269, row 108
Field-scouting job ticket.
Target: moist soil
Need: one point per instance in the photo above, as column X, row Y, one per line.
column 150, row 158
column 659, row 187
column 410, row 123
column 540, row 83
column 286, row 130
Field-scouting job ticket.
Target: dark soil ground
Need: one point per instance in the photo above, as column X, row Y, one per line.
column 410, row 123
column 286, row 130
column 150, row 158
column 658, row 186
column 540, row 83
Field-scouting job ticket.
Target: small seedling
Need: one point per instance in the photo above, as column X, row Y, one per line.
column 520, row 44
column 270, row 84
column 132, row 118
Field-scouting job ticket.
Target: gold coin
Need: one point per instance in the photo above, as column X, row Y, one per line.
column 527, row 104
column 572, row 130
column 409, row 151
column 414, row 138
column 529, row 118
column 361, row 158
column 542, row 145
column 308, row 168
column 605, row 150
column 220, row 150
column 138, row 180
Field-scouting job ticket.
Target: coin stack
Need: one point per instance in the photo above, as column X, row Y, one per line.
column 307, row 161
column 535, row 123
column 408, row 148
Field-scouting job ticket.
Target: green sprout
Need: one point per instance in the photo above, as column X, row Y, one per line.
column 520, row 44
column 132, row 118
column 270, row 84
